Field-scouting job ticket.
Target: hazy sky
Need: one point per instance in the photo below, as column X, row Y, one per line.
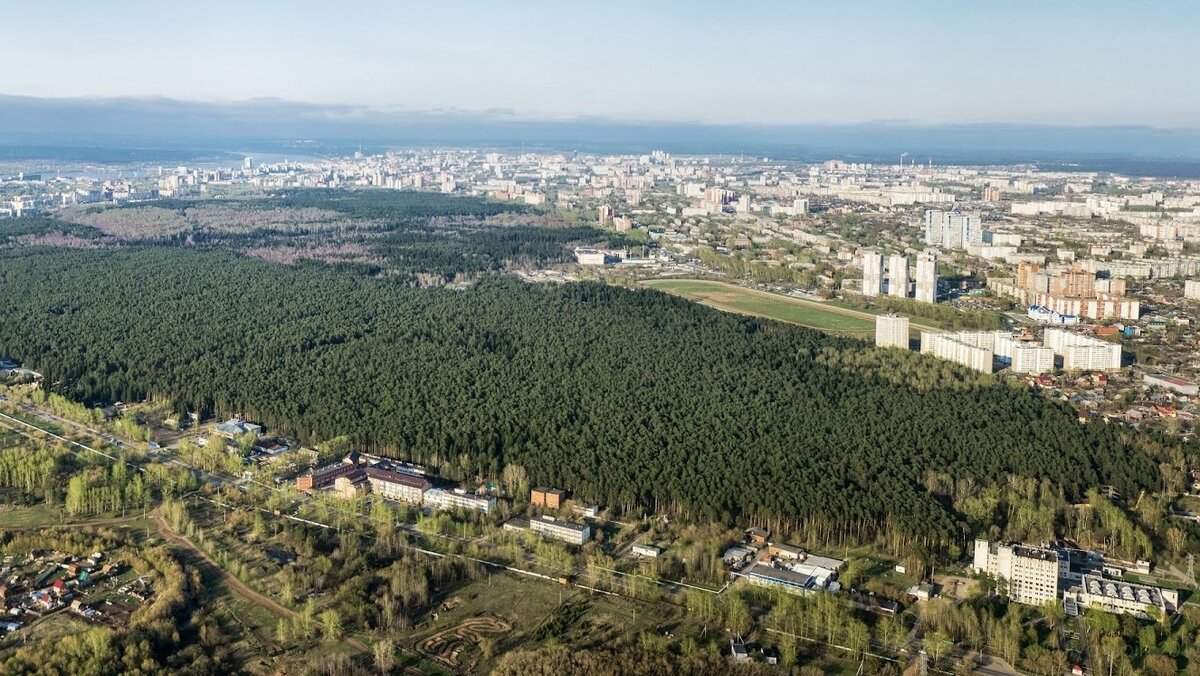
column 1056, row 62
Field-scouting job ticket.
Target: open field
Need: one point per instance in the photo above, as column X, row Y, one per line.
column 732, row 298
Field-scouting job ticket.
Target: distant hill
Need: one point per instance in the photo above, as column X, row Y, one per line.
column 32, row 126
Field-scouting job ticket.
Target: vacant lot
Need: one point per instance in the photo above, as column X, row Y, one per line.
column 808, row 313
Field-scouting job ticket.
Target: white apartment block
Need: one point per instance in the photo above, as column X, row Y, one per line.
column 898, row 275
column 443, row 499
column 1191, row 289
column 927, row 277
column 1031, row 573
column 571, row 533
column 891, row 331
column 959, row 348
column 872, row 284
column 952, row 229
column 1033, row 359
column 1083, row 353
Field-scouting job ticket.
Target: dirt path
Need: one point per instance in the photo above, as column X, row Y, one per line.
column 240, row 588
column 112, row 521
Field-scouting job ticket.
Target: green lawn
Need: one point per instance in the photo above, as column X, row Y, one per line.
column 772, row 306
column 30, row 517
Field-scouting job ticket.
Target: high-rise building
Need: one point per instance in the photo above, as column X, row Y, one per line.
column 991, row 194
column 933, row 227
column 971, row 349
column 898, row 275
column 1074, row 282
column 927, row 277
column 891, row 331
column 799, row 206
column 1030, row 574
column 872, row 284
column 605, row 214
column 952, row 229
column 1025, row 272
column 1033, row 359
column 1083, row 353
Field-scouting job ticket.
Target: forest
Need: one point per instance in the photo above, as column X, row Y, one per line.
column 424, row 238
column 633, row 399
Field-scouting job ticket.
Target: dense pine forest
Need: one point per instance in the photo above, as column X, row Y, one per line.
column 634, row 399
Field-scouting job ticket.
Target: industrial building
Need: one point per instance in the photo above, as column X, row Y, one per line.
column 1178, row 385
column 1118, row 596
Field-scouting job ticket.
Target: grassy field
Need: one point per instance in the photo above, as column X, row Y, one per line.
column 731, row 298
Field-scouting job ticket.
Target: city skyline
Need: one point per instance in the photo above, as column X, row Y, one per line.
column 928, row 63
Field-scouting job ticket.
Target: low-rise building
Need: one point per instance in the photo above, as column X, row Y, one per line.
column 459, row 499
column 1179, row 385
column 558, row 529
column 549, row 498
column 646, row 551
column 323, row 477
column 396, row 485
column 236, row 427
column 1118, row 596
column 351, row 486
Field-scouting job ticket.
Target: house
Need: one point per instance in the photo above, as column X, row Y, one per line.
column 758, row 536
column 549, row 498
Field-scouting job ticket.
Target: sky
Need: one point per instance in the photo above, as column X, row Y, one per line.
column 1060, row 62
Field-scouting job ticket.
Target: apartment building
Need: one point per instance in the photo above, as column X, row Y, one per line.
column 558, row 529
column 891, row 331
column 397, row 485
column 1083, row 353
column 1030, row 574
column 459, row 499
column 966, row 348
